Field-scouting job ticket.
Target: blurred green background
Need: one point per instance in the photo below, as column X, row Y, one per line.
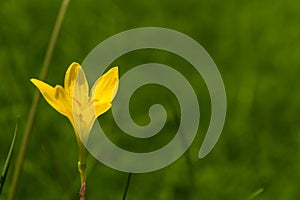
column 256, row 46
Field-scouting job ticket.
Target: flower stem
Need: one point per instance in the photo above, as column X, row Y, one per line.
column 82, row 192
column 82, row 170
column 33, row 108
column 81, row 162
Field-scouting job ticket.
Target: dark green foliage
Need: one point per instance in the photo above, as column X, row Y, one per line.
column 256, row 46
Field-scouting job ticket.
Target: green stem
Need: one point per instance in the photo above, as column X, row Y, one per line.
column 81, row 168
column 81, row 162
column 33, row 108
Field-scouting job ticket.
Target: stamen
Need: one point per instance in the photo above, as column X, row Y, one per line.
column 93, row 101
column 78, row 102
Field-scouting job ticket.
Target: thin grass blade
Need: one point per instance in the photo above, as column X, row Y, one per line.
column 8, row 159
column 255, row 194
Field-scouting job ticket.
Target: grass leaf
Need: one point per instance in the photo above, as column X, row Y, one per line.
column 7, row 162
column 255, row 194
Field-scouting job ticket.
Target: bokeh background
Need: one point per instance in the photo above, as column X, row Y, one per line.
column 256, row 46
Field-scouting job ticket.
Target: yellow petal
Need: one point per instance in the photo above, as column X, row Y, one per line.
column 85, row 121
column 56, row 97
column 70, row 77
column 101, row 108
column 105, row 88
column 80, row 92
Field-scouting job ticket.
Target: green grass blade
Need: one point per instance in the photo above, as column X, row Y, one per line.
column 7, row 162
column 127, row 186
column 255, row 194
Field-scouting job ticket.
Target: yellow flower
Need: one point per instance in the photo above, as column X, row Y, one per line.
column 74, row 100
